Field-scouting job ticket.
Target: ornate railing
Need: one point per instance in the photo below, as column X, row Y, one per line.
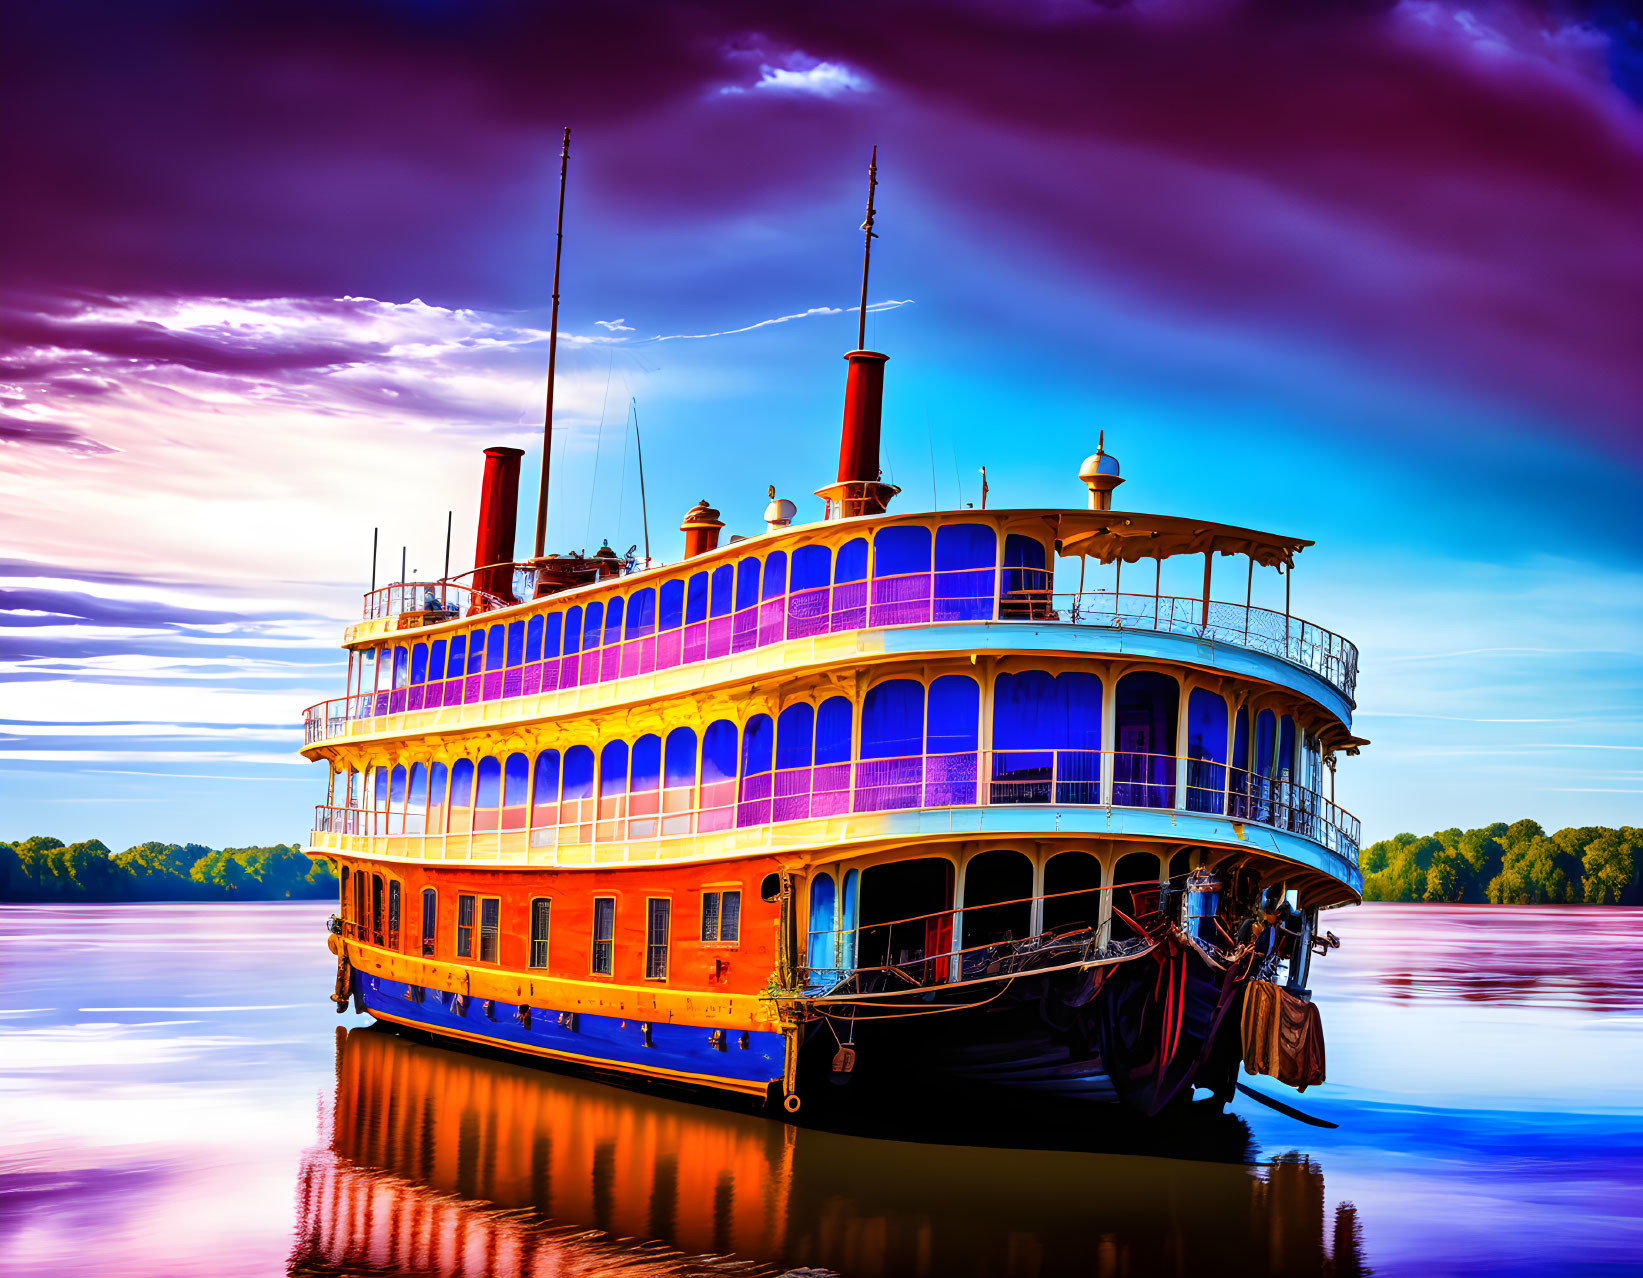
column 435, row 600
column 985, row 778
column 920, row 599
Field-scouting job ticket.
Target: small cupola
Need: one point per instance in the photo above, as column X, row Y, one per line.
column 779, row 513
column 1100, row 475
column 701, row 529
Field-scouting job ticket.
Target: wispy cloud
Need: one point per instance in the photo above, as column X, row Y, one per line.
column 786, row 319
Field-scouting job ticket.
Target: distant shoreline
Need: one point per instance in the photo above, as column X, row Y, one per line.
column 45, row 871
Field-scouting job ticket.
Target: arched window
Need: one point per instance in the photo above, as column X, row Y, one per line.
column 516, row 642
column 821, row 950
column 613, row 791
column 694, row 643
column 830, row 780
column 438, row 783
column 639, row 638
column 644, row 786
column 416, row 800
column 487, row 793
column 455, row 663
column 419, row 664
column 1135, row 893
column 722, row 604
column 1025, row 582
column 496, row 644
column 396, row 800
column 474, row 688
column 1206, row 750
column 745, row 633
column 1046, row 728
column 576, row 798
column 516, row 784
column 849, row 605
column 965, row 555
column 462, row 796
column 611, row 656
column 436, row 674
column 891, row 770
column 718, row 775
column 795, row 735
column 532, row 681
column 670, row 617
column 430, row 920
column 998, row 886
column 901, row 576
column 951, row 739
column 758, row 743
column 570, row 663
column 402, row 667
column 1144, row 708
column 807, row 592
column 1072, row 897
column 679, row 781
column 593, row 620
column 771, row 609
column 379, row 801
column 545, row 793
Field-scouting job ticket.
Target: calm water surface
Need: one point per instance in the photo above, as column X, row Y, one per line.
column 177, row 1097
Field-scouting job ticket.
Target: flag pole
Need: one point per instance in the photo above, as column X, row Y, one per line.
column 553, row 351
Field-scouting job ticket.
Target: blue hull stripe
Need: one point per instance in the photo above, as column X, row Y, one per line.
column 685, row 1053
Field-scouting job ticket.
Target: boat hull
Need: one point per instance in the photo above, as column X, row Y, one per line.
column 691, row 1055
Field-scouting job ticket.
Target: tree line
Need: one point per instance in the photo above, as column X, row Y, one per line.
column 1516, row 864
column 46, row 869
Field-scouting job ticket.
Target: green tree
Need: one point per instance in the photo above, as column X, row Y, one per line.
column 1613, row 864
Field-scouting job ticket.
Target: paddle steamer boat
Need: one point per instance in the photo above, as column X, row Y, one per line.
column 890, row 800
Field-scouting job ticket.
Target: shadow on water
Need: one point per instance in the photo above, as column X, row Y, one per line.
column 435, row 1161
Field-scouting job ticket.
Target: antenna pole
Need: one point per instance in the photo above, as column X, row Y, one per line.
column 374, row 532
column 639, row 446
column 447, row 574
column 553, row 351
column 869, row 235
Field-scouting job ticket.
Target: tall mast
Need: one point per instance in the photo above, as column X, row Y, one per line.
column 553, row 351
column 869, row 235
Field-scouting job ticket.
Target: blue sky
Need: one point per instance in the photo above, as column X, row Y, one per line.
column 1367, row 278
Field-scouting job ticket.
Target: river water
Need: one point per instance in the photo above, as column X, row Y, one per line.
column 178, row 1097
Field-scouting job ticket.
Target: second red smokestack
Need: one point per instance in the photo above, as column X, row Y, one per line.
column 498, row 513
column 858, row 490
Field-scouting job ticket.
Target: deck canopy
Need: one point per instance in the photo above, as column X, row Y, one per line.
column 1110, row 536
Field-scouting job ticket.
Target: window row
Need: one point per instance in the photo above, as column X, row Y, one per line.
column 907, row 576
column 476, row 924
column 917, row 745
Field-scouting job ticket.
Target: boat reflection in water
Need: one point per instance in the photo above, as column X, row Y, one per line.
column 440, row 1162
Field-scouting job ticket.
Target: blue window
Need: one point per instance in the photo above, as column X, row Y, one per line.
column 516, row 642
column 545, row 785
column 964, row 572
column 758, row 743
column 573, row 630
column 533, row 641
column 901, row 550
column 719, row 752
column 724, row 580
column 795, row 731
column 775, row 575
column 396, row 788
column 438, row 779
column 1266, row 728
column 1046, row 726
column 747, row 583
column 462, row 783
column 822, row 948
column 812, row 568
column 1145, row 706
column 671, row 612
column 476, row 652
column 578, row 772
column 955, row 714
column 1206, row 750
column 516, row 775
column 402, row 667
column 642, row 614
column 1286, row 748
column 436, row 660
column 592, row 616
column 679, row 768
column 488, row 792
column 613, row 622
column 496, row 641
column 833, row 726
column 550, row 635
column 646, row 764
column 458, row 650
column 1024, row 577
column 419, row 663
column 613, row 768
column 852, row 561
column 696, row 599
column 892, row 720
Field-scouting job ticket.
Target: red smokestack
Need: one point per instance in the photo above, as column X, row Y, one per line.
column 498, row 513
column 858, row 490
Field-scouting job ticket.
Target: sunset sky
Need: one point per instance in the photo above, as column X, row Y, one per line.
column 274, row 274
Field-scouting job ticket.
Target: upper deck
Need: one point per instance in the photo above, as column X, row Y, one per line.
column 820, row 593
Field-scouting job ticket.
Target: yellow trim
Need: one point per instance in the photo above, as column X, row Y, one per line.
column 601, row 998
column 597, row 1062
